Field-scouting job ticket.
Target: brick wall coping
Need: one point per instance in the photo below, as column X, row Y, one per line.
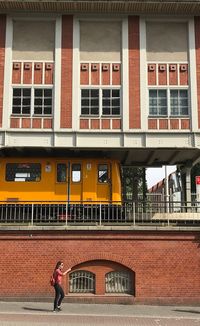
column 98, row 228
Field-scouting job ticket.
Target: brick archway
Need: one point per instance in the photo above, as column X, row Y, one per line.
column 103, row 256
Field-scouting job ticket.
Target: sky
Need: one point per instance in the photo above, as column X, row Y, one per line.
column 154, row 175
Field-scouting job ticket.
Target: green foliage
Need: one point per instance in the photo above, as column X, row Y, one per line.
column 133, row 183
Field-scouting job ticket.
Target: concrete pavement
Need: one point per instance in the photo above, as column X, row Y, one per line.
column 40, row 314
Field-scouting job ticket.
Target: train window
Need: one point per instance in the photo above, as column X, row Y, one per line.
column 61, row 172
column 103, row 173
column 23, row 172
column 76, row 172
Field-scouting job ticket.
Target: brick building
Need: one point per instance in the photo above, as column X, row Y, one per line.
column 117, row 79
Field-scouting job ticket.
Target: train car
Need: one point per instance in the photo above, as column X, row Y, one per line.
column 53, row 189
column 53, row 179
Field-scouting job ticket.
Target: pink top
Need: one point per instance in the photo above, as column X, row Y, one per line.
column 58, row 276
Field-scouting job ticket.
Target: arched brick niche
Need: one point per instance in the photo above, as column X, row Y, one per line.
column 101, row 277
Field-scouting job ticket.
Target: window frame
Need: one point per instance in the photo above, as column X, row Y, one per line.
column 80, row 179
column 91, row 277
column 107, row 181
column 100, row 89
column 32, row 102
column 168, row 92
column 116, row 275
column 23, row 163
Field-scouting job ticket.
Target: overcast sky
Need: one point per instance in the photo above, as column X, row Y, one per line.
column 154, row 175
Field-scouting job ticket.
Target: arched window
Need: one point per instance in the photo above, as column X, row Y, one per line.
column 82, row 282
column 118, row 282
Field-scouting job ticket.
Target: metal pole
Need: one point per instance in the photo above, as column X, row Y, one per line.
column 166, row 190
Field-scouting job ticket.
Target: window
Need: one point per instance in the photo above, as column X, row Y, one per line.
column 179, row 102
column 21, row 101
column 42, row 101
column 76, row 172
column 166, row 102
column 61, row 172
column 23, row 172
column 103, row 173
column 157, row 102
column 111, row 102
column 118, row 282
column 32, row 101
column 90, row 101
column 100, row 101
column 81, row 282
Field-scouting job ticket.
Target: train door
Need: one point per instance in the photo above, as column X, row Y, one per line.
column 76, row 182
column 62, row 181
column 104, row 191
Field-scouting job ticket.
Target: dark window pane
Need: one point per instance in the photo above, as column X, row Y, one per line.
column 38, row 101
column 47, row 101
column 115, row 93
column 17, row 92
column 116, row 110
column 26, row 110
column 85, row 93
column 48, row 92
column 38, row 110
column 17, row 101
column 94, row 102
column 61, row 172
column 85, row 102
column 27, row 92
column 16, row 110
column 38, row 92
column 106, row 110
column 106, row 93
column 95, row 110
column 84, row 110
column 47, row 110
column 94, row 93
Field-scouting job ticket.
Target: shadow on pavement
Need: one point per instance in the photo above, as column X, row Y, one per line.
column 37, row 309
column 184, row 310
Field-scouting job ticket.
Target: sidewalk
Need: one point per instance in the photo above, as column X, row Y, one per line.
column 44, row 308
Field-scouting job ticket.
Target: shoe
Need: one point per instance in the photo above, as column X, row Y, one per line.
column 59, row 308
column 54, row 310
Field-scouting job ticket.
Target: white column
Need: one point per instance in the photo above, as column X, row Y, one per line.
column 7, row 92
column 125, row 76
column 192, row 76
column 143, row 77
column 57, row 79
column 76, row 77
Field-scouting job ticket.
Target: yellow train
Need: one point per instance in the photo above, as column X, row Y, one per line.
column 53, row 179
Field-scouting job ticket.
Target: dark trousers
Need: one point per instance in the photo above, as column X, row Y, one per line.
column 59, row 295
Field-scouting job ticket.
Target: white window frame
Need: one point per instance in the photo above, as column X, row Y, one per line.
column 168, row 89
column 101, row 88
column 32, row 87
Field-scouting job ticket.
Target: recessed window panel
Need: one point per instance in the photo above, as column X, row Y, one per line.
column 23, row 172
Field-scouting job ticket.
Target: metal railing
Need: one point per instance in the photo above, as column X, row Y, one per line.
column 146, row 212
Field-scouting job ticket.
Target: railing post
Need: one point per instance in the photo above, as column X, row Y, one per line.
column 32, row 209
column 100, row 215
column 134, row 213
column 66, row 214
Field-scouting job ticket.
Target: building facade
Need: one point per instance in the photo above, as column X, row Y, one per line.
column 118, row 81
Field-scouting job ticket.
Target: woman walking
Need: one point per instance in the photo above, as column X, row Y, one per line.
column 59, row 293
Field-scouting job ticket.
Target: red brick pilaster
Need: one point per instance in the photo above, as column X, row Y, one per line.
column 134, row 72
column 197, row 45
column 66, row 72
column 2, row 61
